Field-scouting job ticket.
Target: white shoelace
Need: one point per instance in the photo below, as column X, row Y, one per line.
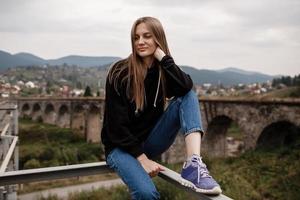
column 202, row 170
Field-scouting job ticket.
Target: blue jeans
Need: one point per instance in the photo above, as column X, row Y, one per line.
column 182, row 114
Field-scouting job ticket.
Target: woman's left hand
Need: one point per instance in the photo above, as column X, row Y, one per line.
column 151, row 167
column 159, row 54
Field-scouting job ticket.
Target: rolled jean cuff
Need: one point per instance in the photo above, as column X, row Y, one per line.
column 196, row 129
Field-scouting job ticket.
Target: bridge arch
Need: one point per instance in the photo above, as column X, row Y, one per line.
column 37, row 112
column 50, row 114
column 218, row 143
column 63, row 119
column 25, row 110
column 278, row 134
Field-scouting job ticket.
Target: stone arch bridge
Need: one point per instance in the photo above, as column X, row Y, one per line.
column 262, row 122
column 85, row 115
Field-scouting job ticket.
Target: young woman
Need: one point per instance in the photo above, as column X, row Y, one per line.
column 136, row 126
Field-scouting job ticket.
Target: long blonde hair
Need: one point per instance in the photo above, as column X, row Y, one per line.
column 136, row 71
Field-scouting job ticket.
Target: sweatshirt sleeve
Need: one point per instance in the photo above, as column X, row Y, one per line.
column 118, row 121
column 178, row 82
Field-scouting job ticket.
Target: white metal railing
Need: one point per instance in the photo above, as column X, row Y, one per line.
column 10, row 152
column 60, row 172
column 8, row 146
column 4, row 130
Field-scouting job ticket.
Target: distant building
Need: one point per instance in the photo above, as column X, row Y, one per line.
column 7, row 85
column 4, row 95
column 62, row 80
column 15, row 89
column 213, row 93
column 263, row 90
column 65, row 90
column 21, row 83
column 207, row 85
column 76, row 92
column 30, row 84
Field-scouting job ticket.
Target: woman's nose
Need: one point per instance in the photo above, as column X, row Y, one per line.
column 141, row 40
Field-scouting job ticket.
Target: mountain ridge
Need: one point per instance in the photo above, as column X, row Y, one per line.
column 8, row 60
column 226, row 76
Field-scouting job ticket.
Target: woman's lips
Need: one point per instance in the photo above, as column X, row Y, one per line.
column 142, row 49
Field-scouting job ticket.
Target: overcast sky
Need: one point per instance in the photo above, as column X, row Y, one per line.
column 256, row 35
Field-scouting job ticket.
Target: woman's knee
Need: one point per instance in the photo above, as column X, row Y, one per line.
column 190, row 95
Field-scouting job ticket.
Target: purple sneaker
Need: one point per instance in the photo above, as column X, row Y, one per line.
column 196, row 176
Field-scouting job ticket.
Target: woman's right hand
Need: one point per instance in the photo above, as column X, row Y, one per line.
column 159, row 54
column 151, row 167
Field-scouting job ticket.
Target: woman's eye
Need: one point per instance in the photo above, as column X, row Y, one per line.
column 148, row 36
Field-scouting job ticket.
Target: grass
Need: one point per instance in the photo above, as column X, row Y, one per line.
column 234, row 132
column 44, row 145
column 289, row 92
column 260, row 174
column 255, row 175
column 166, row 190
column 44, row 185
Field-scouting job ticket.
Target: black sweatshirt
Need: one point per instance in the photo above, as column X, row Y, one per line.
column 127, row 129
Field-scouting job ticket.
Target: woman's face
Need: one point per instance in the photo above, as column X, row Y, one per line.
column 144, row 41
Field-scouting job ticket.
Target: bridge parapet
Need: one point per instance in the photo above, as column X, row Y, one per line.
column 276, row 101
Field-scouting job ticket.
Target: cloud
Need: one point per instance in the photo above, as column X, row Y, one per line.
column 260, row 35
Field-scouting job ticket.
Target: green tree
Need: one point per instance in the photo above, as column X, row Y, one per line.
column 87, row 92
column 296, row 80
column 287, row 80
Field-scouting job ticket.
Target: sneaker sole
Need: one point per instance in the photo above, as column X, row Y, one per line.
column 214, row 191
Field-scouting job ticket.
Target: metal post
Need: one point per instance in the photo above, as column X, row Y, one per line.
column 15, row 160
column 1, row 192
column 9, row 151
column 15, row 120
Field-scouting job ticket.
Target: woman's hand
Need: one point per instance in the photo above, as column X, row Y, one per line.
column 159, row 54
column 151, row 167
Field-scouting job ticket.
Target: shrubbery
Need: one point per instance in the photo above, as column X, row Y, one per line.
column 32, row 163
column 43, row 145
